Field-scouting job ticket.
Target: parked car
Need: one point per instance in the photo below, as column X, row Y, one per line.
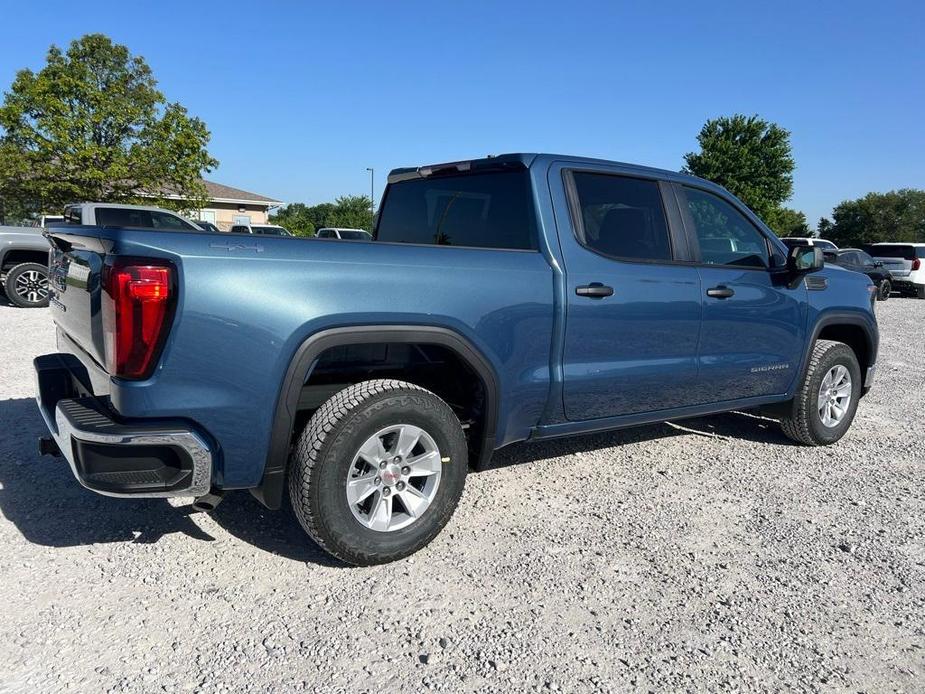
column 266, row 229
column 207, row 226
column 24, row 266
column 346, row 234
column 906, row 264
column 48, row 219
column 859, row 261
column 824, row 244
column 129, row 216
column 519, row 297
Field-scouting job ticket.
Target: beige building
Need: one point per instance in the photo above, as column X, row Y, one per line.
column 228, row 206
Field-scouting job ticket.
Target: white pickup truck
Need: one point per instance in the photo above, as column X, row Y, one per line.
column 906, row 263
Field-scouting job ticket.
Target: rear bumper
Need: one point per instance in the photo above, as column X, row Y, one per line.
column 141, row 459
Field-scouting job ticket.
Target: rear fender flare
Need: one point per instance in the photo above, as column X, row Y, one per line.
column 270, row 490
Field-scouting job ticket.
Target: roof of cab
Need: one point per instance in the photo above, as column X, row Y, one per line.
column 521, row 160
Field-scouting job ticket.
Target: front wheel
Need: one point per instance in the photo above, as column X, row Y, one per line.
column 883, row 291
column 826, row 401
column 378, row 471
column 26, row 285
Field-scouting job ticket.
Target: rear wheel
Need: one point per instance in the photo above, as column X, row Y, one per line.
column 378, row 471
column 883, row 291
column 26, row 285
column 827, row 400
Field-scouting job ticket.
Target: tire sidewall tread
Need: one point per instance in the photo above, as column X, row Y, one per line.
column 803, row 424
column 9, row 285
column 322, row 456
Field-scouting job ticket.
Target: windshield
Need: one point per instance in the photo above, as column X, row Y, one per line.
column 357, row 235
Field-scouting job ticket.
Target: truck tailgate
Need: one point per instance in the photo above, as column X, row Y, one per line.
column 75, row 284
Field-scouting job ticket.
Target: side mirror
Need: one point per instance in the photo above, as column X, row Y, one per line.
column 805, row 259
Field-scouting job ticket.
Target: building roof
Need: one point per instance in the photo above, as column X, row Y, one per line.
column 219, row 192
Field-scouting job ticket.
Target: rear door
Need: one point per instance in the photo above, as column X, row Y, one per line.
column 753, row 330
column 633, row 303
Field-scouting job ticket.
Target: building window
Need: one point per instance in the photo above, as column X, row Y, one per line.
column 242, row 219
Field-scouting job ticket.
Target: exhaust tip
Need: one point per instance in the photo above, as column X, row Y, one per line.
column 48, row 446
column 208, row 502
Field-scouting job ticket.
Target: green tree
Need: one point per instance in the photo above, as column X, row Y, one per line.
column 748, row 156
column 351, row 211
column 785, row 221
column 92, row 125
column 824, row 228
column 297, row 218
column 898, row 215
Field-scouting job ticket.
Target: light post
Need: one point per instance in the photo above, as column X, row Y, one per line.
column 372, row 192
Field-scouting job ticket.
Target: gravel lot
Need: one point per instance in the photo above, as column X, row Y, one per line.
column 706, row 556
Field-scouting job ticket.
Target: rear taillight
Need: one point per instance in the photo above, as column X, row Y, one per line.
column 137, row 308
column 916, row 264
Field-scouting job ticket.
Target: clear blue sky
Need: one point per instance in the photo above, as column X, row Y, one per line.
column 301, row 97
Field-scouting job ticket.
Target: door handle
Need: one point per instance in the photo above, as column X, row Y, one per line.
column 595, row 290
column 720, row 292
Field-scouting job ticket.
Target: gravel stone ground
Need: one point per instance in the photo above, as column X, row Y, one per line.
column 709, row 555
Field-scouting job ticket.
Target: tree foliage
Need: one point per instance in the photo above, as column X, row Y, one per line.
column 92, row 125
column 895, row 216
column 748, row 156
column 350, row 211
column 824, row 227
column 785, row 221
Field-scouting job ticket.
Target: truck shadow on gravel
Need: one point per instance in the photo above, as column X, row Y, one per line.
column 40, row 496
column 730, row 426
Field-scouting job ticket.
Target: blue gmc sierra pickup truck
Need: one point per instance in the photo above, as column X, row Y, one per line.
column 502, row 299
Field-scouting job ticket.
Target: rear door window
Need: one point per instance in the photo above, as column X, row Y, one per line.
column 163, row 220
column 725, row 235
column 622, row 217
column 487, row 210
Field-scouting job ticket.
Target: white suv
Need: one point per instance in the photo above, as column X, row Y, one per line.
column 265, row 229
column 107, row 214
column 346, row 234
column 906, row 263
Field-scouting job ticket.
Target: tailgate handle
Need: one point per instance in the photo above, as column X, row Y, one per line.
column 58, row 242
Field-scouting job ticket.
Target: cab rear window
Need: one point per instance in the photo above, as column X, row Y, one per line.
column 484, row 210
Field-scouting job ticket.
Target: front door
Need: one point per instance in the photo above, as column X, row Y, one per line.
column 633, row 310
column 753, row 328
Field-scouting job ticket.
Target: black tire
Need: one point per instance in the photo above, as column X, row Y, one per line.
column 804, row 423
column 919, row 291
column 28, row 296
column 323, row 458
column 883, row 291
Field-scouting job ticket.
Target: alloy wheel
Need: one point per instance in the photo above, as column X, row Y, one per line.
column 834, row 396
column 393, row 478
column 32, row 286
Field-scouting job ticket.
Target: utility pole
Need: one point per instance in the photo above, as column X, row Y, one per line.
column 372, row 192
